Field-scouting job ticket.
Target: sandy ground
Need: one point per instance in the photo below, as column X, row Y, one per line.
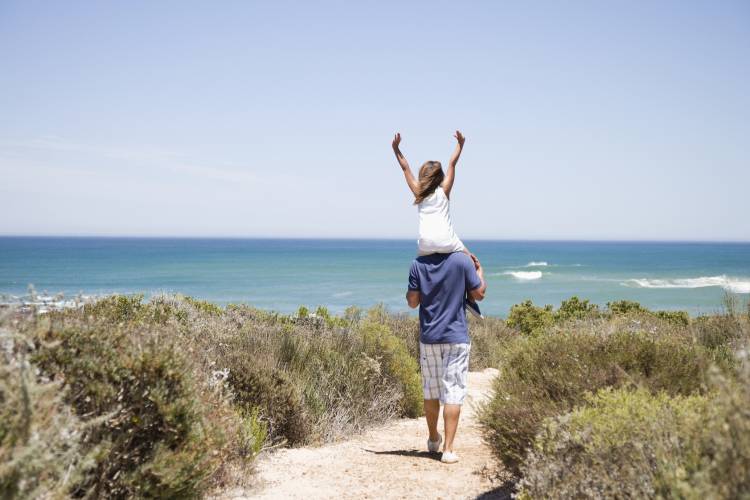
column 386, row 462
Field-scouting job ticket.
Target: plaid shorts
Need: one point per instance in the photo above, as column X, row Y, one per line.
column 444, row 368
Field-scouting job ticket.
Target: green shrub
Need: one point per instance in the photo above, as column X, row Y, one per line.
column 152, row 439
column 622, row 444
column 400, row 366
column 203, row 306
column 625, row 307
column 639, row 445
column 489, row 337
column 717, row 330
column 116, row 308
column 530, row 319
column 549, row 374
column 331, row 382
column 725, row 443
column 679, row 318
column 272, row 396
column 575, row 308
column 40, row 453
column 404, row 326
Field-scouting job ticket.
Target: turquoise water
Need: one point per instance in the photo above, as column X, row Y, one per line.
column 282, row 274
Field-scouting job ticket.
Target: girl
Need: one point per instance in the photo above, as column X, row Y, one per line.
column 432, row 197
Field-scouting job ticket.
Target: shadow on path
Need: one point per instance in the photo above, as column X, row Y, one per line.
column 407, row 453
column 503, row 492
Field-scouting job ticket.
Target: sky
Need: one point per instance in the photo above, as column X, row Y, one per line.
column 584, row 120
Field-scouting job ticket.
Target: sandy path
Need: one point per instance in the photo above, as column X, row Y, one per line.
column 387, row 462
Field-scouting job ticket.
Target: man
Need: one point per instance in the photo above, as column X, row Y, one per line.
column 438, row 284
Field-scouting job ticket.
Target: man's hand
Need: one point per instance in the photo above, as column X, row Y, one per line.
column 396, row 141
column 459, row 137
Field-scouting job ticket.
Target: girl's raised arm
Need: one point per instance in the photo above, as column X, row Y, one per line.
column 410, row 180
column 450, row 175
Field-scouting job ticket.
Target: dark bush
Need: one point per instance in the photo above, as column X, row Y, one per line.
column 273, row 394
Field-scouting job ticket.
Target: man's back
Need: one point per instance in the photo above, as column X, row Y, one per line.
column 443, row 280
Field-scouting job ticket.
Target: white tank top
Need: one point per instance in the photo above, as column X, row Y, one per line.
column 436, row 233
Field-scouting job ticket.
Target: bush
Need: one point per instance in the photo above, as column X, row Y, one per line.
column 530, row 319
column 622, row 444
column 116, row 308
column 151, row 437
column 489, row 337
column 725, row 443
column 718, row 330
column 625, row 307
column 549, row 374
column 575, row 308
column 40, row 454
column 317, row 382
column 271, row 396
column 400, row 367
column 638, row 445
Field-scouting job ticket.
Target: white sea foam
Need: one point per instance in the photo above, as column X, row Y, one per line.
column 535, row 263
column 524, row 275
column 729, row 283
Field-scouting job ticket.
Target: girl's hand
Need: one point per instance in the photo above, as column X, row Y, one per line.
column 477, row 264
column 396, row 141
column 460, row 138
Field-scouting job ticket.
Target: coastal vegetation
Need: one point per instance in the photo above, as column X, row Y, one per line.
column 623, row 402
column 172, row 397
column 175, row 397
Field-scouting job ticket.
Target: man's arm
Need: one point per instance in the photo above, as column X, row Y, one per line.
column 478, row 292
column 410, row 180
column 413, row 298
column 450, row 175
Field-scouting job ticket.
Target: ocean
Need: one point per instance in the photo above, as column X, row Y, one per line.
column 283, row 274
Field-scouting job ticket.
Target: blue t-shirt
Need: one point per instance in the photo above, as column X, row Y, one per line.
column 443, row 280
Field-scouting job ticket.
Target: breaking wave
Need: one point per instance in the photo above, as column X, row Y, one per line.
column 524, row 275
column 534, row 263
column 728, row 283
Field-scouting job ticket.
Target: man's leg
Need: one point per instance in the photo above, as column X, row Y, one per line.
column 431, row 367
column 450, row 418
column 453, row 381
column 431, row 413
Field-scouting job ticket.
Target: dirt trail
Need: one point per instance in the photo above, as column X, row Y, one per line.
column 386, row 462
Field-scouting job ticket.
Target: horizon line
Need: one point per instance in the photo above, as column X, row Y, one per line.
column 371, row 238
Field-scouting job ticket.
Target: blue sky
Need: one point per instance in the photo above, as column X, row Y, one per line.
column 590, row 120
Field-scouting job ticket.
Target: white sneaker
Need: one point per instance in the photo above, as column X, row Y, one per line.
column 449, row 457
column 434, row 446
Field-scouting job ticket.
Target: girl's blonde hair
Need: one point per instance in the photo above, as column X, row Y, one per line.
column 430, row 177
